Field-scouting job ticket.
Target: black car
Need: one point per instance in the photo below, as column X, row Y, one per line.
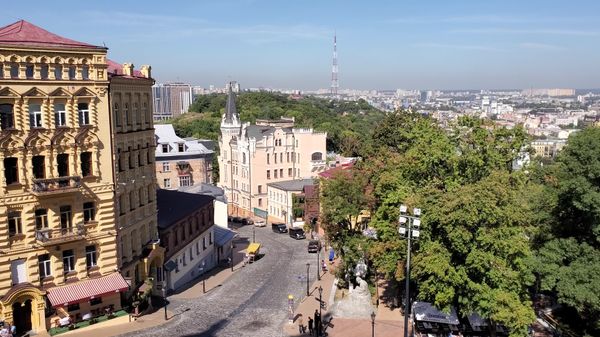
column 279, row 227
column 236, row 219
column 314, row 246
column 297, row 233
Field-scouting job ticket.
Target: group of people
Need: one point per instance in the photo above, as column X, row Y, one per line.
column 315, row 326
column 8, row 330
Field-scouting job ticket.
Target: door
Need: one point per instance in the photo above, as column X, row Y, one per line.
column 22, row 317
column 17, row 271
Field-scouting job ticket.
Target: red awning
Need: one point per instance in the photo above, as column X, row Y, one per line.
column 86, row 290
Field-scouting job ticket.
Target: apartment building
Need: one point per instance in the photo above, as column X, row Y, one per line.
column 181, row 162
column 58, row 255
column 251, row 156
column 140, row 255
column 171, row 100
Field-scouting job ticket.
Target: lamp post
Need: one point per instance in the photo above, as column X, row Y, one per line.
column 373, row 324
column 203, row 278
column 164, row 295
column 320, row 301
column 307, row 278
column 410, row 229
column 231, row 254
column 253, row 234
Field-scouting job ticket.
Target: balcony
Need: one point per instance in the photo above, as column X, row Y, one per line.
column 48, row 237
column 317, row 165
column 56, row 185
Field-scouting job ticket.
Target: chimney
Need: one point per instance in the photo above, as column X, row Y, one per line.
column 128, row 69
column 146, row 71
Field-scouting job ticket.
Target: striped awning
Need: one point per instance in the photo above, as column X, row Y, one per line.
column 86, row 290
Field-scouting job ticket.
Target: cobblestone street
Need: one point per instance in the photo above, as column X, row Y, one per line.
column 253, row 301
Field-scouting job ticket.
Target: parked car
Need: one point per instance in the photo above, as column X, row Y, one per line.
column 260, row 223
column 246, row 222
column 297, row 233
column 236, row 219
column 279, row 227
column 314, row 246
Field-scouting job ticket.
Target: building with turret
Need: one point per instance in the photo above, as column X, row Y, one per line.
column 254, row 155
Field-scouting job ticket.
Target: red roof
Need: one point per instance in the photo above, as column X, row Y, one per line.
column 115, row 68
column 87, row 290
column 329, row 173
column 23, row 33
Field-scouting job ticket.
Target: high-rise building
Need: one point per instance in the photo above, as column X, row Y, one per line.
column 251, row 156
column 57, row 204
column 171, row 100
column 139, row 255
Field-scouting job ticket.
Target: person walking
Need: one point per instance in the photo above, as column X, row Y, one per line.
column 300, row 324
column 317, row 322
column 310, row 326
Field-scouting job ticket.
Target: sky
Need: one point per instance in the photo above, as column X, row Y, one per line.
column 406, row 44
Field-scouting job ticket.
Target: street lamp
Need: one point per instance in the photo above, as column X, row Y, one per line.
column 320, row 301
column 319, row 262
column 307, row 277
column 164, row 295
column 253, row 233
column 373, row 324
column 231, row 254
column 409, row 229
column 203, row 278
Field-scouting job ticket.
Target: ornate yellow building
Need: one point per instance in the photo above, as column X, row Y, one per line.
column 59, row 222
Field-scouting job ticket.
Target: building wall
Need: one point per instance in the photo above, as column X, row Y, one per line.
column 171, row 100
column 193, row 260
column 220, row 214
column 27, row 195
column 131, row 103
column 167, row 168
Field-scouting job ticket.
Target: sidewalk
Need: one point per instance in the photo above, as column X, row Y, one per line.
column 388, row 322
column 122, row 325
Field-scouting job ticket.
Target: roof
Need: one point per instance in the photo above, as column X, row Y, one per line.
column 23, row 33
column 259, row 131
column 230, row 109
column 331, row 172
column 174, row 206
column 206, row 189
column 165, row 134
column 87, row 290
column 424, row 311
column 253, row 248
column 292, row 185
column 116, row 69
column 223, row 236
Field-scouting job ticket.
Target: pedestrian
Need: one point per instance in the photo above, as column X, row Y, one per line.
column 300, row 324
column 324, row 266
column 317, row 321
column 310, row 326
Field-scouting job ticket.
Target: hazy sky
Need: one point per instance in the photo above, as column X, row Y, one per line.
column 381, row 44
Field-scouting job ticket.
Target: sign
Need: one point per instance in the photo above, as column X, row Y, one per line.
column 260, row 213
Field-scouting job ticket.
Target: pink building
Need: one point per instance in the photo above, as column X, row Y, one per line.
column 251, row 156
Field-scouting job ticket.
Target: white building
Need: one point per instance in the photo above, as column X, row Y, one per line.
column 281, row 196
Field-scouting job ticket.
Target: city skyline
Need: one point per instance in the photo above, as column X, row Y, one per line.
column 414, row 45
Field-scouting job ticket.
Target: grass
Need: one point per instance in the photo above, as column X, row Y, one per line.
column 58, row 330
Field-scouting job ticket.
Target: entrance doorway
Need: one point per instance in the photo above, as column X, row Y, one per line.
column 22, row 317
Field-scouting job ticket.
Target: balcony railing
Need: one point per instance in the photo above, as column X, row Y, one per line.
column 60, row 235
column 56, row 185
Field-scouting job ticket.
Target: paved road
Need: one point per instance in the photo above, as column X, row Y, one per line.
column 253, row 301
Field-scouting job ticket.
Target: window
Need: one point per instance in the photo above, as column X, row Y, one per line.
column 39, row 170
column 126, row 111
column 268, row 158
column 259, row 202
column 84, row 113
column 131, row 201
column 14, row 71
column 90, row 256
column 280, row 173
column 14, row 223
column 289, row 172
column 181, row 147
column 41, row 218
column 275, row 157
column 58, row 70
column 86, row 163
column 204, row 243
column 275, row 174
column 29, row 71
column 11, row 171
column 281, row 157
column 268, row 174
column 243, row 158
column 44, row 264
column 62, row 161
column 72, row 72
column 117, row 114
column 7, row 117
column 73, row 307
column 185, row 181
column 165, row 148
column 166, row 166
column 122, row 205
column 167, row 183
column 210, row 239
column 89, row 211
column 44, row 71
column 60, row 115
column 130, row 157
column 68, row 261
column 259, row 189
column 66, row 217
column 288, row 156
column 96, row 301
column 85, row 72
column 35, row 115
column 136, row 112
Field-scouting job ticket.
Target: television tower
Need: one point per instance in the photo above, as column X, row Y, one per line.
column 334, row 69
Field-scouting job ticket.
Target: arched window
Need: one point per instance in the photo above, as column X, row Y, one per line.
column 316, row 156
